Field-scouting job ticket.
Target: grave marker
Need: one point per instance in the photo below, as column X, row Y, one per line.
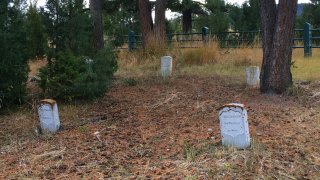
column 166, row 66
column 253, row 76
column 49, row 115
column 234, row 126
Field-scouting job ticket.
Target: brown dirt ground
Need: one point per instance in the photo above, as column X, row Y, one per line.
column 159, row 130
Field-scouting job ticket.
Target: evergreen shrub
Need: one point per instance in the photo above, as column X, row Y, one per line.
column 77, row 77
column 13, row 56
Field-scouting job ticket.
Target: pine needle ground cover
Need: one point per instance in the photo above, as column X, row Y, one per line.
column 156, row 129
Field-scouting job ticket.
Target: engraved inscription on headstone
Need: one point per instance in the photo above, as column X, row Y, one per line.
column 49, row 115
column 166, row 66
column 253, row 76
column 234, row 126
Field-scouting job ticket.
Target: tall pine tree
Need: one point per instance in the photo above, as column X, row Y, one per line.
column 36, row 37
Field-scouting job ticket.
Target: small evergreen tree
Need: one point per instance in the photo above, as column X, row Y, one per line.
column 71, row 73
column 74, row 77
column 13, row 54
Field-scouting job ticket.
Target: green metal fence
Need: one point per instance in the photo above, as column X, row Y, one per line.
column 306, row 38
column 237, row 39
column 176, row 40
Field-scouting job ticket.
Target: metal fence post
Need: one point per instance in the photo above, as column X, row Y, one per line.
column 131, row 40
column 205, row 35
column 307, row 36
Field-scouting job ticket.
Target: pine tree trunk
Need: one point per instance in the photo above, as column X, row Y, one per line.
column 96, row 10
column 268, row 19
column 187, row 21
column 277, row 34
column 160, row 17
column 145, row 20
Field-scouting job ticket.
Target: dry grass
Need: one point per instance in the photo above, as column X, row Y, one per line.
column 306, row 68
column 35, row 65
column 156, row 45
column 137, row 64
column 244, row 56
column 18, row 126
column 270, row 155
column 23, row 123
column 200, row 56
column 212, row 60
column 208, row 60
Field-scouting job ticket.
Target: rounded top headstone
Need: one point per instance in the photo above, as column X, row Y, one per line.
column 167, row 57
column 234, row 125
column 48, row 101
column 236, row 105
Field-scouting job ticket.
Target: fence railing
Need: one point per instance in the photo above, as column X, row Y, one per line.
column 177, row 40
column 306, row 38
column 236, row 39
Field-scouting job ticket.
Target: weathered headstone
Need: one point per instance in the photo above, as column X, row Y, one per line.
column 234, row 126
column 49, row 115
column 166, row 66
column 253, row 76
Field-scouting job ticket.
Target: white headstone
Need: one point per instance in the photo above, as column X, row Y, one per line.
column 234, row 126
column 166, row 66
column 49, row 115
column 253, row 76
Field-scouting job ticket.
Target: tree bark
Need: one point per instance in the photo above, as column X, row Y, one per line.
column 145, row 20
column 277, row 34
column 268, row 19
column 96, row 10
column 160, row 17
column 187, row 20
